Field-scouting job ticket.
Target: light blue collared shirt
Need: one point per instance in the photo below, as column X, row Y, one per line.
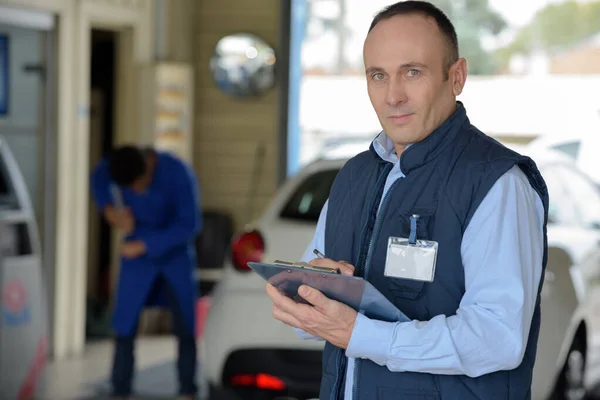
column 502, row 251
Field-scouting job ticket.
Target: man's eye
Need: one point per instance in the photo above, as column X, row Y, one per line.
column 378, row 76
column 413, row 72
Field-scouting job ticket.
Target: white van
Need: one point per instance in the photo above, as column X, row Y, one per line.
column 23, row 304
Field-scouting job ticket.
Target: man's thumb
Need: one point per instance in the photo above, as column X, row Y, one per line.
column 310, row 294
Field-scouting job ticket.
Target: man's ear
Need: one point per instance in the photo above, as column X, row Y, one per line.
column 458, row 75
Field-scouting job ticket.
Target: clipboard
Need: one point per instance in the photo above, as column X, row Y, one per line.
column 353, row 291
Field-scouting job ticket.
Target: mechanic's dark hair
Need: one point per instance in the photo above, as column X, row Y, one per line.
column 425, row 9
column 126, row 165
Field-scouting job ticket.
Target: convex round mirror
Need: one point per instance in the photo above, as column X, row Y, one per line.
column 243, row 65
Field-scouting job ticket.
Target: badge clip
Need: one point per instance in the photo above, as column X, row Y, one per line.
column 412, row 238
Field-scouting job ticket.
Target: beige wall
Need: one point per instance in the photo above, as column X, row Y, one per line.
column 584, row 60
column 228, row 132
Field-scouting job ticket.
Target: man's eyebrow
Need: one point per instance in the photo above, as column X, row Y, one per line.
column 371, row 70
column 408, row 65
column 412, row 65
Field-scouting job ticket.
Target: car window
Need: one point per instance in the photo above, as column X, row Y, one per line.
column 571, row 148
column 309, row 197
column 8, row 198
column 561, row 209
column 584, row 194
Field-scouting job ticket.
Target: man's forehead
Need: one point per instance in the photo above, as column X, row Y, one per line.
column 405, row 38
column 405, row 23
column 411, row 27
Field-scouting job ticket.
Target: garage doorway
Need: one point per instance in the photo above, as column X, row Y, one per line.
column 102, row 126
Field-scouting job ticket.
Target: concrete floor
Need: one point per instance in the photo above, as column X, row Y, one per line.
column 86, row 377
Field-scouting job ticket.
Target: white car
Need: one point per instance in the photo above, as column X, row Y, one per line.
column 24, row 331
column 258, row 357
column 581, row 147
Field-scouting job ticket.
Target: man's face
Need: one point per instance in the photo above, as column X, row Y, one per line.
column 405, row 59
column 140, row 184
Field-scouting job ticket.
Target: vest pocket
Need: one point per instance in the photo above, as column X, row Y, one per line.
column 405, row 288
column 424, row 223
column 395, row 394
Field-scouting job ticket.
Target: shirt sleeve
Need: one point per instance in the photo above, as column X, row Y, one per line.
column 100, row 185
column 502, row 254
column 186, row 221
column 317, row 242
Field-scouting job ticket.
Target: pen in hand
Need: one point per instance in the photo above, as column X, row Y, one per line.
column 348, row 269
column 319, row 254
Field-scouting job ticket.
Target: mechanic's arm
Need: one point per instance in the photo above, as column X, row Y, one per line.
column 318, row 242
column 502, row 256
column 100, row 186
column 186, row 221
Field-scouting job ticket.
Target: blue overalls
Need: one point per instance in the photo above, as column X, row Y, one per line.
column 167, row 219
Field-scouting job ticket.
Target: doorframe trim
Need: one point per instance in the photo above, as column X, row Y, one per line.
column 75, row 19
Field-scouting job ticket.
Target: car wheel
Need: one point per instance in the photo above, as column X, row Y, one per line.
column 571, row 384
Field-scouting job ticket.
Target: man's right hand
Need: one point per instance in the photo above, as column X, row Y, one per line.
column 345, row 267
column 121, row 219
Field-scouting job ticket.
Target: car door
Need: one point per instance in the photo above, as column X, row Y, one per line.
column 586, row 197
column 23, row 309
column 558, row 297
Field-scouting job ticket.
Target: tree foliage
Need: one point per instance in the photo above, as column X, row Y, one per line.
column 472, row 20
column 554, row 27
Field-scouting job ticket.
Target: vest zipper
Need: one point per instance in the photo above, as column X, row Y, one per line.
column 340, row 361
column 374, row 235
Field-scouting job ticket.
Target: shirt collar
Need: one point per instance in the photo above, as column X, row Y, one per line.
column 384, row 147
column 421, row 152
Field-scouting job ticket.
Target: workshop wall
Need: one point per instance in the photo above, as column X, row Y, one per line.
column 229, row 133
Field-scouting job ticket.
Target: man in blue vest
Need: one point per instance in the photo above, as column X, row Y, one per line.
column 430, row 184
column 153, row 199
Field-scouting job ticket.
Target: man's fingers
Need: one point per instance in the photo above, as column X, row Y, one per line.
column 324, row 262
column 345, row 267
column 274, row 294
column 286, row 318
column 313, row 296
column 300, row 311
column 282, row 301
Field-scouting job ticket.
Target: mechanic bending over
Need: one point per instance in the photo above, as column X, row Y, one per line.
column 153, row 199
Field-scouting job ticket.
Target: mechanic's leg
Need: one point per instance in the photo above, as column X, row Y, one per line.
column 186, row 358
column 123, row 365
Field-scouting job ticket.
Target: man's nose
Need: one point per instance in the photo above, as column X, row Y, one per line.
column 396, row 93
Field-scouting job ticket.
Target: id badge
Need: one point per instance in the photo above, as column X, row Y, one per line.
column 409, row 258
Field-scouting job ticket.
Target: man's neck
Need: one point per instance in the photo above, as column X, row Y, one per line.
column 151, row 160
column 400, row 149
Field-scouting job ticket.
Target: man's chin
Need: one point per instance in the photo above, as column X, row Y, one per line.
column 401, row 136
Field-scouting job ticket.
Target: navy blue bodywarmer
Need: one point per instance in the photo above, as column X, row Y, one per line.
column 447, row 175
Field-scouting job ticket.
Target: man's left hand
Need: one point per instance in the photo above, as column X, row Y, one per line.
column 133, row 249
column 326, row 318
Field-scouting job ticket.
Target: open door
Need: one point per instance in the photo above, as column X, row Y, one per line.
column 102, row 103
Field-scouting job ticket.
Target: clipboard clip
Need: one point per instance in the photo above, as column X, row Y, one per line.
column 300, row 264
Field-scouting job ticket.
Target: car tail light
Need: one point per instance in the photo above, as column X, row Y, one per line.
column 259, row 381
column 247, row 247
